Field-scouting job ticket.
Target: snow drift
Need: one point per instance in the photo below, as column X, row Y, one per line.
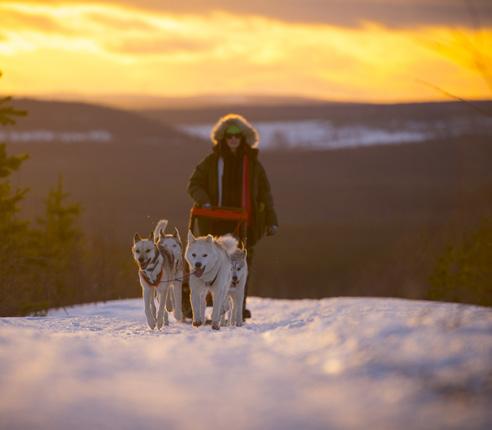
column 341, row 363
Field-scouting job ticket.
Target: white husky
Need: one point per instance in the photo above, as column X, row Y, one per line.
column 233, row 304
column 170, row 247
column 210, row 264
column 154, row 274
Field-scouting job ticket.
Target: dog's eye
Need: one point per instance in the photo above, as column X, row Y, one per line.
column 147, row 251
column 193, row 255
column 204, row 255
column 174, row 246
column 238, row 269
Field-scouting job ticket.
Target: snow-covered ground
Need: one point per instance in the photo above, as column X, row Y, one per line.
column 323, row 134
column 295, row 134
column 342, row 363
column 93, row 136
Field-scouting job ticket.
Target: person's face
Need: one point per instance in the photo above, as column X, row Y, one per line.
column 233, row 141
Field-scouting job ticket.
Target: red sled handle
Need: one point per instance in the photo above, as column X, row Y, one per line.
column 223, row 213
column 230, row 214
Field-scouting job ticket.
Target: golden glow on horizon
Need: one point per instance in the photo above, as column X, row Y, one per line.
column 109, row 49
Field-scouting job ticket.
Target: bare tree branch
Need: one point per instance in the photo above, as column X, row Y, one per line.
column 476, row 108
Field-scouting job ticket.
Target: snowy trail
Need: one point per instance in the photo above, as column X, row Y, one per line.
column 343, row 363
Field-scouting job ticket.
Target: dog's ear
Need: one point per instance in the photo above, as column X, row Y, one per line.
column 191, row 238
column 210, row 238
column 136, row 238
column 245, row 252
column 176, row 234
column 162, row 234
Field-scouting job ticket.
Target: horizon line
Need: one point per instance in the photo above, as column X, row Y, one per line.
column 147, row 101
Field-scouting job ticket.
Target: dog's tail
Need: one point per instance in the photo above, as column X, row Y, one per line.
column 228, row 243
column 160, row 227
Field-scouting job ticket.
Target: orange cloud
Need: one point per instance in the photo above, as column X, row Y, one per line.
column 20, row 20
column 110, row 48
column 119, row 23
column 159, row 47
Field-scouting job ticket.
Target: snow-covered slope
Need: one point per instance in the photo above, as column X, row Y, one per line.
column 341, row 363
column 324, row 134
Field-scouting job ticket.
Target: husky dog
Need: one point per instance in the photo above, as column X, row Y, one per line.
column 233, row 304
column 154, row 274
column 170, row 247
column 210, row 264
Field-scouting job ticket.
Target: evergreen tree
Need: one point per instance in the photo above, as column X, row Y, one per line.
column 9, row 199
column 7, row 112
column 38, row 268
column 13, row 231
column 61, row 242
column 13, row 234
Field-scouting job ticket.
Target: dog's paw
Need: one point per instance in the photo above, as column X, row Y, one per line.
column 215, row 325
column 151, row 322
column 197, row 323
column 159, row 324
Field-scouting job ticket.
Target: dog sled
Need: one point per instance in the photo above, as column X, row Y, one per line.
column 237, row 215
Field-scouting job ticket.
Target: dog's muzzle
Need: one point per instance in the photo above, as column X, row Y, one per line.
column 199, row 270
column 143, row 263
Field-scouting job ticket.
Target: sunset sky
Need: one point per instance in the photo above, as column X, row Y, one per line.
column 344, row 50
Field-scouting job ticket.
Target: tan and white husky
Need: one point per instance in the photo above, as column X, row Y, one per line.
column 170, row 247
column 154, row 274
column 210, row 265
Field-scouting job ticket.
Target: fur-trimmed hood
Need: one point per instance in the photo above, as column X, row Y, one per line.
column 249, row 132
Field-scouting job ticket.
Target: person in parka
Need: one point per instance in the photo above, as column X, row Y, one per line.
column 218, row 181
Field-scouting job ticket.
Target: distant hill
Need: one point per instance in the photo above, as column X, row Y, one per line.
column 71, row 122
column 302, row 124
column 381, row 115
column 368, row 221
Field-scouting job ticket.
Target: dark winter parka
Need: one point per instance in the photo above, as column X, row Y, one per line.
column 203, row 185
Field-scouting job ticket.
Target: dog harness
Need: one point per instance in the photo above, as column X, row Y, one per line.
column 159, row 276
column 211, row 283
column 157, row 281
